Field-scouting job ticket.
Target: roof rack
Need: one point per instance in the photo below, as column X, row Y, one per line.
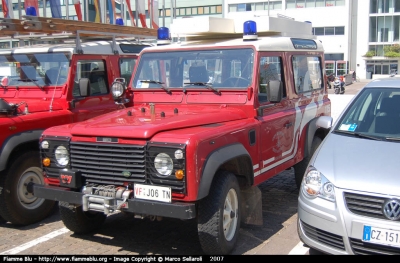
column 45, row 28
column 215, row 28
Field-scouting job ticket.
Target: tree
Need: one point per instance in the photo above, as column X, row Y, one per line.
column 391, row 51
column 370, row 53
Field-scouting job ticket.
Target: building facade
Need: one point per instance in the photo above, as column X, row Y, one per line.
column 359, row 35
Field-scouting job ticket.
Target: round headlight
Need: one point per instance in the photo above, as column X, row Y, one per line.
column 118, row 89
column 45, row 145
column 62, row 155
column 178, row 154
column 163, row 164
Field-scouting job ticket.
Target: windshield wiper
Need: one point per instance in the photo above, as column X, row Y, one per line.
column 157, row 82
column 205, row 84
column 360, row 135
column 392, row 138
column 34, row 82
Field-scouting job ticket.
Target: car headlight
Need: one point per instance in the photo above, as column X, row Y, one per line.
column 62, row 155
column 315, row 185
column 118, row 89
column 163, row 164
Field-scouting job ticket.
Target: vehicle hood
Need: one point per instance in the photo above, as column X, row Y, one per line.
column 360, row 164
column 131, row 123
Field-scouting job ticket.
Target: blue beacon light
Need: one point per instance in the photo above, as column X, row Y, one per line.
column 31, row 11
column 119, row 21
column 249, row 30
column 163, row 36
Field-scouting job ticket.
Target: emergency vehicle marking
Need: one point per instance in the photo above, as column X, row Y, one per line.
column 268, row 161
column 303, row 116
column 278, row 145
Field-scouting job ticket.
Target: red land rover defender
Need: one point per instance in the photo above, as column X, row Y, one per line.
column 214, row 115
column 50, row 85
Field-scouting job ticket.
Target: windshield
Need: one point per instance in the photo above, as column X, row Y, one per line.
column 35, row 69
column 374, row 113
column 222, row 68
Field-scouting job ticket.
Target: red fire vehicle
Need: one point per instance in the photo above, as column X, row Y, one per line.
column 217, row 113
column 52, row 84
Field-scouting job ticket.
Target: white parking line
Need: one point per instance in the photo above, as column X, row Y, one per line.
column 299, row 249
column 35, row 242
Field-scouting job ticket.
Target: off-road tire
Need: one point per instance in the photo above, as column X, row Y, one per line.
column 210, row 225
column 17, row 206
column 78, row 221
column 300, row 168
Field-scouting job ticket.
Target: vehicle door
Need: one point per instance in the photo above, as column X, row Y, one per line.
column 309, row 91
column 99, row 99
column 277, row 119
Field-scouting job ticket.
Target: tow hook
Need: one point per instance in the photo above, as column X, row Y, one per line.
column 29, row 187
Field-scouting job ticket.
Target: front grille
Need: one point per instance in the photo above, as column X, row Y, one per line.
column 111, row 164
column 365, row 205
column 364, row 248
column 323, row 237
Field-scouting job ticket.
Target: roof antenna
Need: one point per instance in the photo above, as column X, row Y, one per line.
column 55, row 87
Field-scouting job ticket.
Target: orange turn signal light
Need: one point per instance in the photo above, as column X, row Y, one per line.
column 46, row 162
column 179, row 174
column 311, row 191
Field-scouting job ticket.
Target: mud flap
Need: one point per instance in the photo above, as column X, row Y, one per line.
column 252, row 206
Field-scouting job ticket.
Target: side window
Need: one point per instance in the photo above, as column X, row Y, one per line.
column 95, row 71
column 126, row 66
column 307, row 73
column 270, row 68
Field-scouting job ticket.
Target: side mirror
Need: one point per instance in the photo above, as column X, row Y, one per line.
column 275, row 91
column 4, row 82
column 324, row 122
column 84, row 86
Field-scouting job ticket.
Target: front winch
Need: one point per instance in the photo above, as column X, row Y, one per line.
column 106, row 199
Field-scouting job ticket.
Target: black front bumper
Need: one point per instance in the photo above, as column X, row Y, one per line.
column 178, row 210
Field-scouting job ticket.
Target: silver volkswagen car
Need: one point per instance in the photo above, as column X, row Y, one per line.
column 349, row 200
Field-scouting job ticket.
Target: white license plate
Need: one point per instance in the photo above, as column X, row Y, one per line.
column 150, row 192
column 381, row 236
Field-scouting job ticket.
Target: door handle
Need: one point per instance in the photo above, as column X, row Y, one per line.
column 287, row 125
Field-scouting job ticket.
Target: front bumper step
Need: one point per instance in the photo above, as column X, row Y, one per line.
column 179, row 210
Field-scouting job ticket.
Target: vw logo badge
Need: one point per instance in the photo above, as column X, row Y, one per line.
column 391, row 209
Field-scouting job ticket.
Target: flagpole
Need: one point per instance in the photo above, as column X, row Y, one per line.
column 151, row 13
column 123, row 11
column 163, row 11
column 66, row 10
column 103, row 12
column 44, row 8
column 19, row 10
column 86, row 4
column 172, row 10
column 136, row 13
